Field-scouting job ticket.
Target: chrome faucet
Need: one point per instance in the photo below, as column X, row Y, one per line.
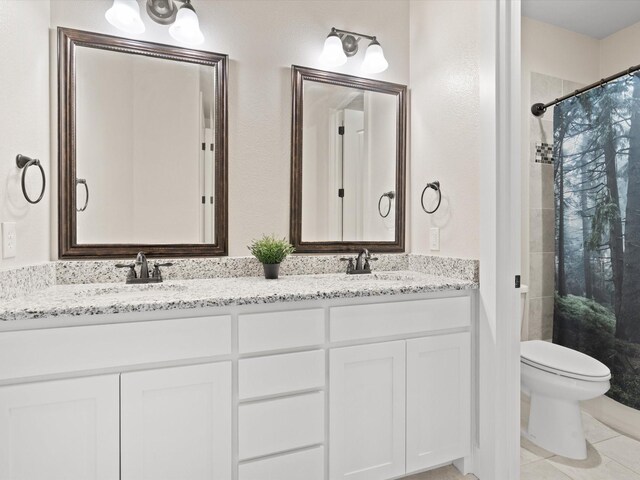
column 141, row 260
column 362, row 263
column 143, row 277
column 362, row 259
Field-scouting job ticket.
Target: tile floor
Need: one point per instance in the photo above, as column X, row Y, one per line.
column 610, row 456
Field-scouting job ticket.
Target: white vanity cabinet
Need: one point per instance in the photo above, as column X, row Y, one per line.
column 360, row 389
column 438, row 400
column 176, row 423
column 62, row 429
column 399, row 407
column 367, row 405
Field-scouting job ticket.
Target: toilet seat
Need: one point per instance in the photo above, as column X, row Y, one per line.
column 563, row 361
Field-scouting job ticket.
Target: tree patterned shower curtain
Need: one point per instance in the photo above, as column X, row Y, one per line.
column 597, row 202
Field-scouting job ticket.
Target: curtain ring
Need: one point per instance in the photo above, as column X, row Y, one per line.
column 435, row 185
column 24, row 163
column 390, row 196
column 86, row 188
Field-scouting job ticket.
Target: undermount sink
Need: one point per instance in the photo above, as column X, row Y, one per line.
column 386, row 276
column 132, row 289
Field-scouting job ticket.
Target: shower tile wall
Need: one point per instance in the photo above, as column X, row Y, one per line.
column 541, row 207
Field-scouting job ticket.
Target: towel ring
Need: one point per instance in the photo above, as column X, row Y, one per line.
column 24, row 163
column 86, row 188
column 435, row 185
column 390, row 196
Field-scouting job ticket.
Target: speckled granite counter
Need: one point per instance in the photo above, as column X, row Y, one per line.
column 109, row 298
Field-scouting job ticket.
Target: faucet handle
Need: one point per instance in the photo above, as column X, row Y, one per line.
column 132, row 269
column 125, row 265
column 156, row 269
column 350, row 266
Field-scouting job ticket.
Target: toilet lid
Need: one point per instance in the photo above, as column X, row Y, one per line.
column 562, row 361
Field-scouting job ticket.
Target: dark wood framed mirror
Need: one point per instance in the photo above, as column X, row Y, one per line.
column 142, row 148
column 348, row 156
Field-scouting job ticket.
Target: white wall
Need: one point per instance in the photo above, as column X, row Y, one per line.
column 166, row 152
column 24, row 123
column 619, row 51
column 380, row 120
column 104, row 156
column 263, row 39
column 445, row 123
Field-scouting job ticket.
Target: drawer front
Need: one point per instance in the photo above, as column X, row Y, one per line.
column 258, row 377
column 260, row 332
column 398, row 318
column 69, row 349
column 278, row 425
column 307, row 465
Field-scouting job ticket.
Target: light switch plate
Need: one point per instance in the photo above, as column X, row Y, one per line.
column 434, row 243
column 9, row 240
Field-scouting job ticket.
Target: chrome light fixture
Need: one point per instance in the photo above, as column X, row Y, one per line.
column 374, row 61
column 341, row 44
column 125, row 16
column 185, row 26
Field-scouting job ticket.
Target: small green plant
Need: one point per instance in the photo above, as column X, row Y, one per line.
column 270, row 250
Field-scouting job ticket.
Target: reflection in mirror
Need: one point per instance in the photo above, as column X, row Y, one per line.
column 348, row 163
column 143, row 148
column 140, row 126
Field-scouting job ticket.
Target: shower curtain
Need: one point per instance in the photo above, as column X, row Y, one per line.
column 597, row 203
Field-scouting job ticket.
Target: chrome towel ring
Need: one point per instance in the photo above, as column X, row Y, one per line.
column 86, row 188
column 23, row 162
column 435, row 185
column 390, row 196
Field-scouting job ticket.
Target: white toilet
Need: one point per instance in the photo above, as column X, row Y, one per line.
column 556, row 379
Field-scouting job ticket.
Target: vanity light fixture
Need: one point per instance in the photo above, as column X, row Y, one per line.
column 185, row 27
column 125, row 16
column 341, row 44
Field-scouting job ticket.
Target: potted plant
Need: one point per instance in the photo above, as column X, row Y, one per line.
column 270, row 251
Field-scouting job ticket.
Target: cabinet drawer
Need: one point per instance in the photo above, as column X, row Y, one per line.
column 278, row 425
column 69, row 349
column 307, row 465
column 260, row 332
column 276, row 374
column 398, row 318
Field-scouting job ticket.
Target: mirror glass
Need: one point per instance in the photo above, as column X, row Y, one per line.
column 348, row 161
column 348, row 164
column 141, row 124
column 143, row 148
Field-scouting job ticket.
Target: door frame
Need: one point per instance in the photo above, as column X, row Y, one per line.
column 497, row 455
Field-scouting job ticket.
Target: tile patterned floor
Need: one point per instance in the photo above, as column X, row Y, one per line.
column 445, row 473
column 610, row 456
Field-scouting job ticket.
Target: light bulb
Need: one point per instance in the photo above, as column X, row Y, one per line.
column 374, row 61
column 125, row 16
column 186, row 28
column 333, row 54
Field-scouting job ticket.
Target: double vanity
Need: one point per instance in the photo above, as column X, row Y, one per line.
column 319, row 376
column 216, row 373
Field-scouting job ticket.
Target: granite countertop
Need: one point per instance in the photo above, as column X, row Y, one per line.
column 110, row 298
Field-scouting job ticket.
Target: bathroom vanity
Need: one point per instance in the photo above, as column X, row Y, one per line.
column 311, row 377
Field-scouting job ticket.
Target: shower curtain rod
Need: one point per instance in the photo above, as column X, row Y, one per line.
column 539, row 108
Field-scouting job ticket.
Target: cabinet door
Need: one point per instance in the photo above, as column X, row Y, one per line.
column 60, row 430
column 438, row 400
column 367, row 411
column 176, row 423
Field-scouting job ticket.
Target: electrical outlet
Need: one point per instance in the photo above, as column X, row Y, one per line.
column 9, row 240
column 435, row 239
